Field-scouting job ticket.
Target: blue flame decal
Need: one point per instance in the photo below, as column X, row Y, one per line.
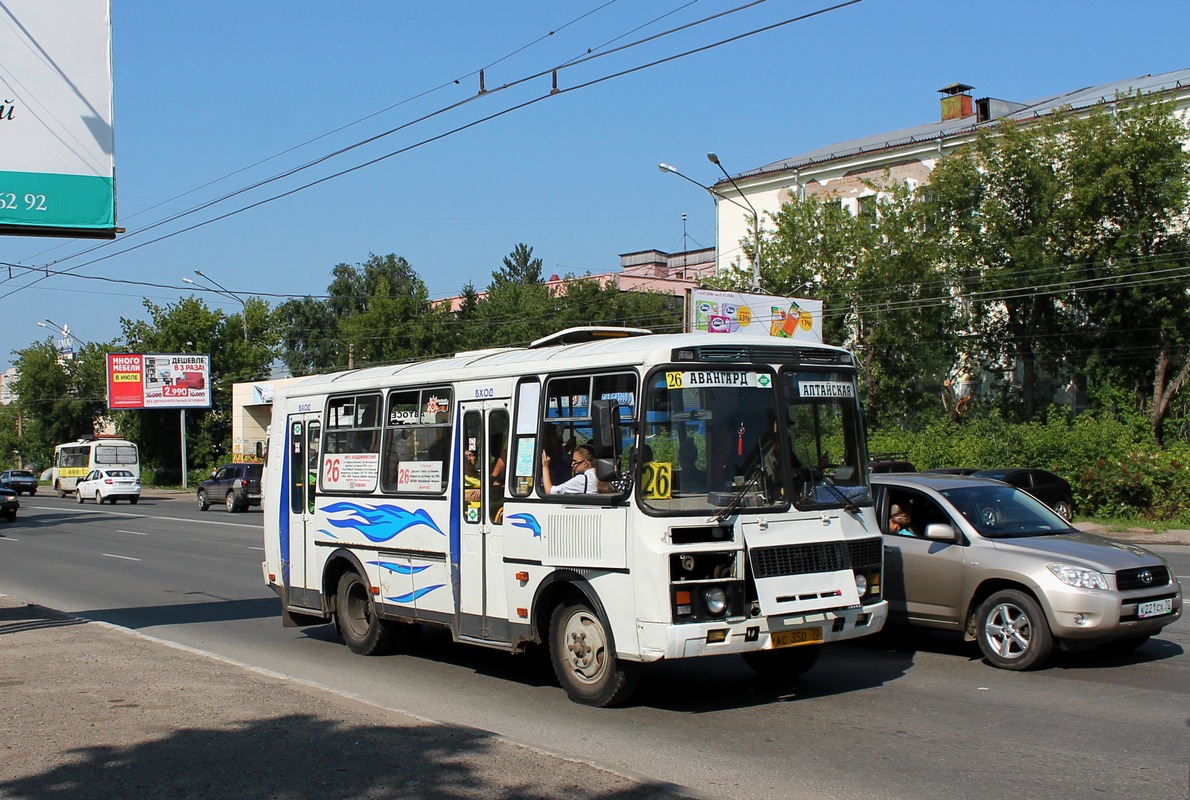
column 400, row 569
column 379, row 523
column 416, row 593
column 526, row 521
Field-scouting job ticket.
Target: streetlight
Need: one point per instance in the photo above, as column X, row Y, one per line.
column 714, row 159
column 63, row 330
column 747, row 209
column 223, row 290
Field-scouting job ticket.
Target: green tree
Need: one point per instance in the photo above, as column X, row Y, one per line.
column 58, row 399
column 519, row 267
column 1067, row 249
column 882, row 291
column 190, row 326
column 375, row 312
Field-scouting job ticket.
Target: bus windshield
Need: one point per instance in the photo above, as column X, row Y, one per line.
column 716, row 441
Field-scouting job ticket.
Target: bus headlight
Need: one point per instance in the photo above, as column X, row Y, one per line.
column 861, row 584
column 714, row 600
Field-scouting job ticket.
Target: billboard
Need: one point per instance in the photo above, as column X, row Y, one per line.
column 57, row 165
column 158, row 380
column 754, row 314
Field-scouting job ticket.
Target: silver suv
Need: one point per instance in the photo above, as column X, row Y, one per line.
column 980, row 556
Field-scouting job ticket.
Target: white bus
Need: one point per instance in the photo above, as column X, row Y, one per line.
column 74, row 460
column 734, row 513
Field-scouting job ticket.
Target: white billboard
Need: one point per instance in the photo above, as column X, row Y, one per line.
column 754, row 314
column 57, row 164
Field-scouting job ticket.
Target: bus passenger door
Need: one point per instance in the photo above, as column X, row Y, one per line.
column 484, row 451
column 297, row 512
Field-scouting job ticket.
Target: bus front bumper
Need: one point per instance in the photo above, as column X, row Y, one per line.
column 659, row 640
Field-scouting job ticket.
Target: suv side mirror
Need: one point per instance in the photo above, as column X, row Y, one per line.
column 940, row 532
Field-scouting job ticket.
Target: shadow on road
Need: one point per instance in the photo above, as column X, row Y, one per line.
column 299, row 756
column 687, row 686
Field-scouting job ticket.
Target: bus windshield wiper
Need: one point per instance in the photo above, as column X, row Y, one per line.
column 849, row 505
column 738, row 497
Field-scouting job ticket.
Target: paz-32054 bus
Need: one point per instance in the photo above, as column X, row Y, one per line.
column 731, row 511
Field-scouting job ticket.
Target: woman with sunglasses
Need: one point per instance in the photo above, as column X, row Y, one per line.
column 582, row 461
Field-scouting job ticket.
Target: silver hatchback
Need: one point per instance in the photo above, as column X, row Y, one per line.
column 985, row 558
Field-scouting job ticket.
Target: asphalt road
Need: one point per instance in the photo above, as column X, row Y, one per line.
column 905, row 715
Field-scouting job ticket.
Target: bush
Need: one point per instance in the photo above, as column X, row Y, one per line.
column 1111, row 462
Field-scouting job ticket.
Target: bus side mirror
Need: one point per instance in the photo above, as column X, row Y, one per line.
column 605, row 438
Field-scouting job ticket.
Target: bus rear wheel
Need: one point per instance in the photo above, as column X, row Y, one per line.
column 355, row 616
column 584, row 659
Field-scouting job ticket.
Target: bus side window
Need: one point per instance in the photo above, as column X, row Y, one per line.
column 297, row 468
column 312, row 464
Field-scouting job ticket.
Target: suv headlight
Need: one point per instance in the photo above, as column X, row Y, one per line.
column 1080, row 577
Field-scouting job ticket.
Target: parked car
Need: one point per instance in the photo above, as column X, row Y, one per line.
column 890, row 462
column 19, row 480
column 990, row 560
column 9, row 504
column 110, row 485
column 235, row 485
column 1047, row 487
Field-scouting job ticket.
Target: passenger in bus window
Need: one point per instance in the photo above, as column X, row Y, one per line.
column 559, row 457
column 471, row 481
column 582, row 461
column 690, row 478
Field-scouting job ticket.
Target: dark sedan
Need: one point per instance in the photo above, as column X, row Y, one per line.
column 9, row 504
column 1047, row 487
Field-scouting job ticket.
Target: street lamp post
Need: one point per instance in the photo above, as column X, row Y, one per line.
column 63, row 331
column 714, row 159
column 223, row 290
column 747, row 209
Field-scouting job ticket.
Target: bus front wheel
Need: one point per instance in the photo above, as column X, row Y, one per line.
column 584, row 660
column 356, row 618
column 59, row 490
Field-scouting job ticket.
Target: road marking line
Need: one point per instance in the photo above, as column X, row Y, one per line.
column 134, row 533
column 150, row 516
column 126, row 558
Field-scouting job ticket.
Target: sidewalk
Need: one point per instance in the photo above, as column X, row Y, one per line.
column 92, row 711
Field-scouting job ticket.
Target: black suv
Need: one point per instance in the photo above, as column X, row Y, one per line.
column 19, row 480
column 236, row 485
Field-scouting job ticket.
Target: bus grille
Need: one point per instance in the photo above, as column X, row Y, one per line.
column 866, row 553
column 802, row 559
column 799, row 559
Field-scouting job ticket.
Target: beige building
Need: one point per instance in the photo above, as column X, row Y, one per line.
column 908, row 155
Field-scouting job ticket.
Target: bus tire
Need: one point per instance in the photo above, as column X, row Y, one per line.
column 355, row 616
column 785, row 663
column 584, row 659
column 58, row 489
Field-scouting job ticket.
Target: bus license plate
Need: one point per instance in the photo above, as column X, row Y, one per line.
column 1154, row 608
column 794, row 638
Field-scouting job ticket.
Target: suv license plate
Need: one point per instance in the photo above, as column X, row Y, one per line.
column 1154, row 608
column 795, row 638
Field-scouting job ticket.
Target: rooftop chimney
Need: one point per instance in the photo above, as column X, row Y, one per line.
column 956, row 101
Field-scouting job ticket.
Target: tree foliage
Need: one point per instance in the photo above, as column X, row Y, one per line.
column 1046, row 255
column 242, row 348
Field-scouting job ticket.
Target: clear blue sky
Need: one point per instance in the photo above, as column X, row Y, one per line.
column 213, row 97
